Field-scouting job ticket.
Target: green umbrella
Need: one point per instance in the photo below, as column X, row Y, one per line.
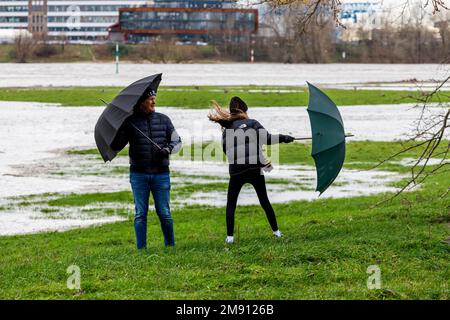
column 328, row 137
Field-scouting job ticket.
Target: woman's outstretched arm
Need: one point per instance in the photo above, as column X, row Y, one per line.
column 268, row 138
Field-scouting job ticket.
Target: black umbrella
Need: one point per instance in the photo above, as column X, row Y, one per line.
column 118, row 111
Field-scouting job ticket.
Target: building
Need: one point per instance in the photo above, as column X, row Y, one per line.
column 195, row 4
column 14, row 14
column 37, row 18
column 353, row 12
column 84, row 20
column 10, row 35
column 64, row 20
column 200, row 20
column 359, row 19
column 364, row 19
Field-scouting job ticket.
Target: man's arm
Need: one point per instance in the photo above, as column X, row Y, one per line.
column 174, row 139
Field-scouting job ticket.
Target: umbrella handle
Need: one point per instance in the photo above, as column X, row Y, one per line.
column 309, row 138
column 303, row 138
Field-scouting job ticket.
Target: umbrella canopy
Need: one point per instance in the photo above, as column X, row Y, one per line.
column 118, row 111
column 328, row 137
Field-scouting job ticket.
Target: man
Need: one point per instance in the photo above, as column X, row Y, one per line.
column 152, row 138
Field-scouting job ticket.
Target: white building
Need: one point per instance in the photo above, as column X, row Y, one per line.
column 10, row 35
column 13, row 14
column 361, row 17
column 68, row 20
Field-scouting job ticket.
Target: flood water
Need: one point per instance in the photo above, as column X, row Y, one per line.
column 276, row 74
column 36, row 137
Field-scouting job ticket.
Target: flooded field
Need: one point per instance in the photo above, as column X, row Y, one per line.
column 34, row 161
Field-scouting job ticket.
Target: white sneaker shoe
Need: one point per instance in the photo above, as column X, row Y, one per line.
column 277, row 234
column 229, row 240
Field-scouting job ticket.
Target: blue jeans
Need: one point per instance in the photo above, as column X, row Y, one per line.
column 159, row 185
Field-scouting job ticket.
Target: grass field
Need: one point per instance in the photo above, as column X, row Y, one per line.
column 327, row 248
column 200, row 97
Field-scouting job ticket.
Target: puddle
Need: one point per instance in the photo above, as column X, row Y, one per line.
column 350, row 183
column 14, row 223
column 430, row 162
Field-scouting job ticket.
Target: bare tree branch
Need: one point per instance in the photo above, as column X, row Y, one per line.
column 430, row 131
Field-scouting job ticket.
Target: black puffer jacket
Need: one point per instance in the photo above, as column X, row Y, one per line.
column 242, row 142
column 144, row 156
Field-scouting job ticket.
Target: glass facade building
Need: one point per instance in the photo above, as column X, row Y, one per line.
column 352, row 10
column 196, row 4
column 13, row 14
column 202, row 20
column 140, row 20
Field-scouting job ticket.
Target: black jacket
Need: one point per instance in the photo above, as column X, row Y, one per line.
column 242, row 142
column 144, row 156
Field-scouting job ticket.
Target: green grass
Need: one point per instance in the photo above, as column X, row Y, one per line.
column 328, row 246
column 72, row 53
column 90, row 198
column 76, row 200
column 200, row 97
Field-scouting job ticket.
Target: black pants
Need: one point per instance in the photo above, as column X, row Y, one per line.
column 256, row 179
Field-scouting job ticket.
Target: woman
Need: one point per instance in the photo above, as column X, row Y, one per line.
column 242, row 141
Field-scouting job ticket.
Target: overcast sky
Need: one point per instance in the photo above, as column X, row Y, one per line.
column 407, row 7
column 385, row 3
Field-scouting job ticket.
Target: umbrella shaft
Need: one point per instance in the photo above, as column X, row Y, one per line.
column 146, row 137
column 309, row 138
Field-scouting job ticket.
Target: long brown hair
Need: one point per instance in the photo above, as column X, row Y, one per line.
column 224, row 117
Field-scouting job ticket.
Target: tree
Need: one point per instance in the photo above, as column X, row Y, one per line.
column 431, row 128
column 295, row 41
column 24, row 47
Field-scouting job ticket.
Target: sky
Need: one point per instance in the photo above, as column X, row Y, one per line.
column 384, row 3
column 403, row 8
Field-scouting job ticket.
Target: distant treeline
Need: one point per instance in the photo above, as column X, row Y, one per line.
column 317, row 44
